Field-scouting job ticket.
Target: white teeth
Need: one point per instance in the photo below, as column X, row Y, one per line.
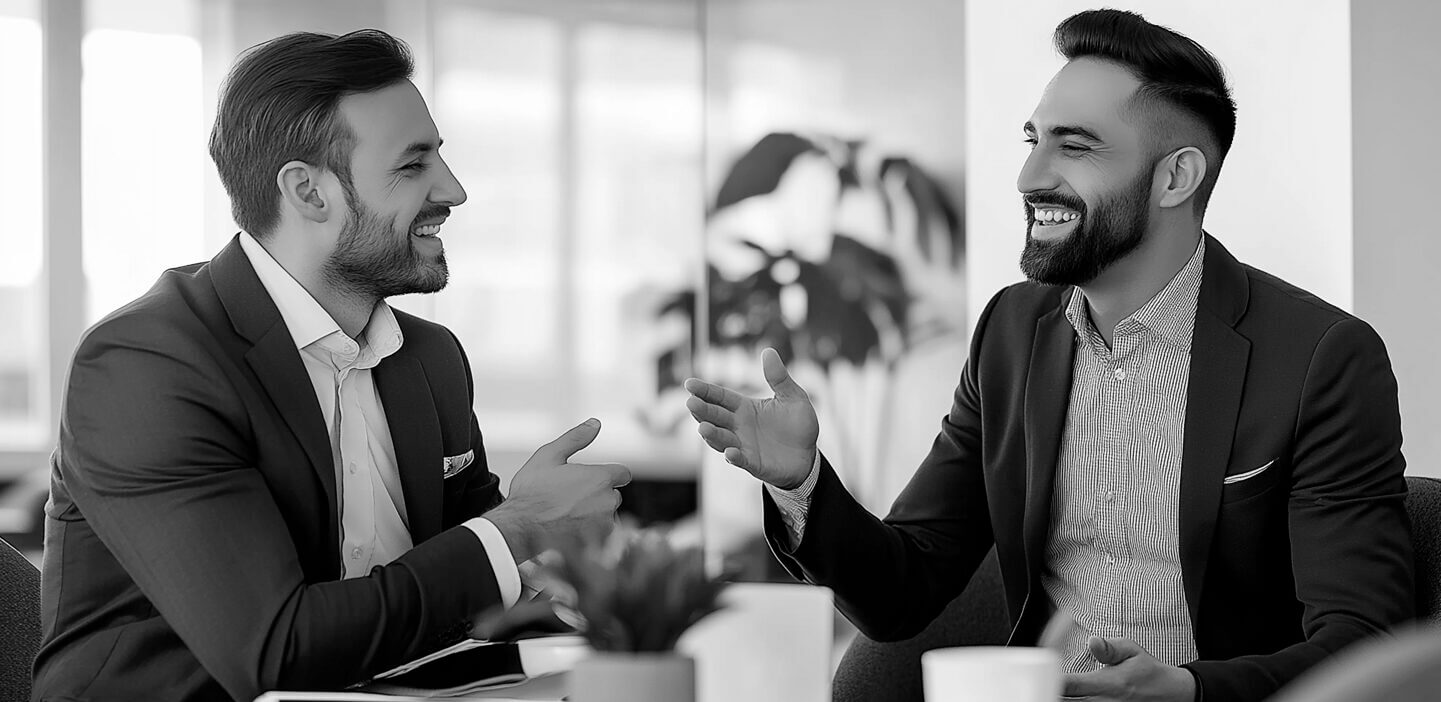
column 1055, row 216
column 428, row 230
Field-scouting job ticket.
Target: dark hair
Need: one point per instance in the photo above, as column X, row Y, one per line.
column 1173, row 69
column 280, row 103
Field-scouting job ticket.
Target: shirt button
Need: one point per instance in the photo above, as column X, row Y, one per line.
column 352, row 467
column 1120, row 374
column 355, row 552
column 1110, row 558
column 1110, row 495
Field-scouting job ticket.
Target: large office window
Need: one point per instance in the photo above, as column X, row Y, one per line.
column 23, row 402
column 144, row 155
column 575, row 127
column 577, row 132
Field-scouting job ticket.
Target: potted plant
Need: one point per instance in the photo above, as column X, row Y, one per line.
column 633, row 598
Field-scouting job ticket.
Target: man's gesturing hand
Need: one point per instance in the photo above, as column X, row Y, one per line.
column 553, row 501
column 1129, row 673
column 774, row 439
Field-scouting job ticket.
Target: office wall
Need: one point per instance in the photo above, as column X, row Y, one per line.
column 1283, row 201
column 1397, row 252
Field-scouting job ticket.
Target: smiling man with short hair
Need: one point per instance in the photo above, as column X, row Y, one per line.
column 267, row 478
column 1197, row 462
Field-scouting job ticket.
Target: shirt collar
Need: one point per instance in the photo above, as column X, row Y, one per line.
column 307, row 321
column 1171, row 314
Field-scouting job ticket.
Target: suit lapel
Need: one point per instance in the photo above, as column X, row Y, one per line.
column 415, row 431
column 1048, row 389
column 1219, row 356
column 276, row 363
column 278, row 366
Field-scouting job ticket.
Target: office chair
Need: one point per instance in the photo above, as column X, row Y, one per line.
column 19, row 622
column 872, row 671
column 1423, row 504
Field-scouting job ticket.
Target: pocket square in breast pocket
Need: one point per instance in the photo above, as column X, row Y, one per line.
column 1232, row 479
column 455, row 464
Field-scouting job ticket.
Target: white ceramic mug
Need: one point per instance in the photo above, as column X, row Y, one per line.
column 991, row 674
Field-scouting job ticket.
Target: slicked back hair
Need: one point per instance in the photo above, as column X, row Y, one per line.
column 1175, row 72
column 280, row 103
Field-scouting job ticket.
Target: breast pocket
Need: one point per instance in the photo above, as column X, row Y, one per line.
column 1250, row 482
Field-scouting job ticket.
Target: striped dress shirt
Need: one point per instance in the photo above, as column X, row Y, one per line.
column 1113, row 553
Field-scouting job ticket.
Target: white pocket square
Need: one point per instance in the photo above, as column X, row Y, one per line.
column 455, row 464
column 1248, row 474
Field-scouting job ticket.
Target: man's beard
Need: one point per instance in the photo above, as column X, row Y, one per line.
column 1117, row 228
column 371, row 261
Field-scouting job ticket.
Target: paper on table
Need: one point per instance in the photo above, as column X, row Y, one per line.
column 472, row 666
column 280, row 696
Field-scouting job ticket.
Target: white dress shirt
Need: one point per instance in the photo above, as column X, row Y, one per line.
column 374, row 526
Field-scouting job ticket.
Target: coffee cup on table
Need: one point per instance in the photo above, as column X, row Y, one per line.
column 988, row 673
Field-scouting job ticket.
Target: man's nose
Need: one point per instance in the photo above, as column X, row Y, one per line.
column 448, row 191
column 1036, row 173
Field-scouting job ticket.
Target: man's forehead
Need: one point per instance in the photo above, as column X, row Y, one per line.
column 1086, row 92
column 390, row 119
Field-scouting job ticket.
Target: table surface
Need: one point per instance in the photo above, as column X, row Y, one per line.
column 550, row 688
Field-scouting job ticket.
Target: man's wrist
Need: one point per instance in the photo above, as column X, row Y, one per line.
column 1197, row 695
column 806, row 485
column 516, row 529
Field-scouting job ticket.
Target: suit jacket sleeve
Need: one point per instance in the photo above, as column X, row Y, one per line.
column 481, row 490
column 891, row 577
column 1350, row 540
column 159, row 456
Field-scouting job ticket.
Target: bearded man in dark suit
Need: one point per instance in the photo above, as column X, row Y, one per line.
column 266, row 476
column 1195, row 461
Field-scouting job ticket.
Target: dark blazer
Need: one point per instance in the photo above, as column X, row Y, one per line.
column 192, row 534
column 1279, row 570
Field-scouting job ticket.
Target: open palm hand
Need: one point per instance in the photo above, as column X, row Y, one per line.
column 772, row 438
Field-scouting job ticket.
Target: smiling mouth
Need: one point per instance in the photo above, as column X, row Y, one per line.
column 426, row 231
column 1053, row 216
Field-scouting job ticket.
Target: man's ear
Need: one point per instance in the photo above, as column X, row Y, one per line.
column 1180, row 175
column 303, row 189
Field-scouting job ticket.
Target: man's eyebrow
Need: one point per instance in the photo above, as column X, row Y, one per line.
column 1064, row 130
column 420, row 147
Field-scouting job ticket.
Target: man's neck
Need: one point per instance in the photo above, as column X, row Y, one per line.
column 1132, row 281
column 350, row 311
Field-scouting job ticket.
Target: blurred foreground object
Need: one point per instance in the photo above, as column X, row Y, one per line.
column 635, row 595
column 772, row 641
column 1403, row 669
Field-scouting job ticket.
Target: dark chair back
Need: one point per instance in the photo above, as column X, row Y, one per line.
column 19, row 623
column 1423, row 504
column 891, row 672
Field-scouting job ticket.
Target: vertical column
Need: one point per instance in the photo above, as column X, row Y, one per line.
column 62, row 24
column 1397, row 243
column 568, row 131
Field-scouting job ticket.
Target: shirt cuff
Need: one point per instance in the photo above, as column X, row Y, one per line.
column 796, row 502
column 502, row 562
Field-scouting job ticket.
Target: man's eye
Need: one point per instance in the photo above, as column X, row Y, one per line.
column 1075, row 148
column 416, row 167
column 1031, row 141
